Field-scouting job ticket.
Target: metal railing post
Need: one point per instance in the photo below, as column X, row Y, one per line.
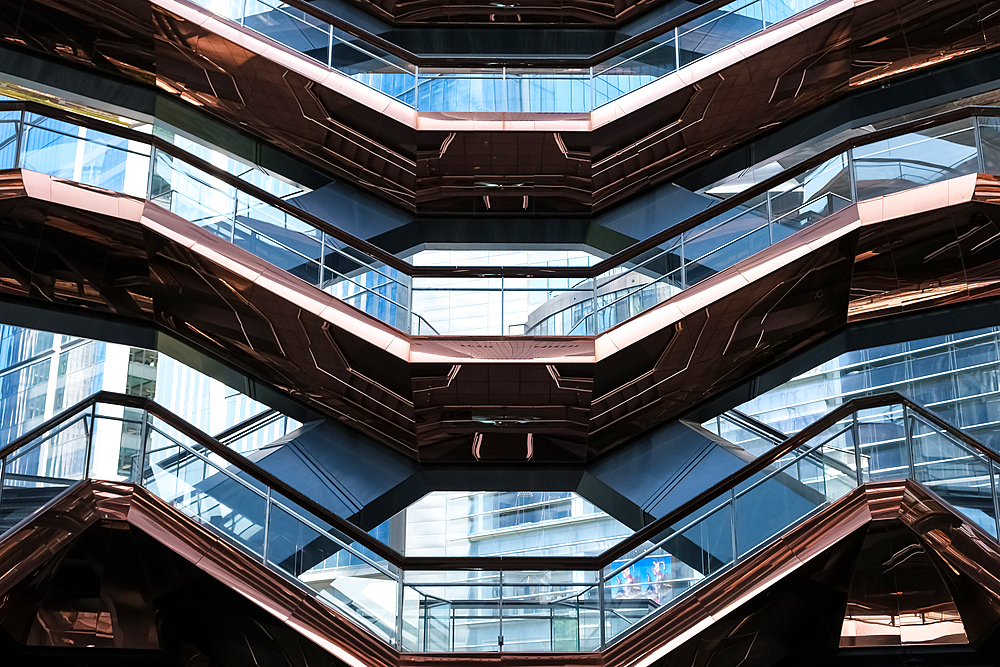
column 732, row 524
column 3, row 477
column 89, row 454
column 500, row 612
column 600, row 605
column 416, row 87
column 677, row 49
column 590, row 83
column 684, row 279
column 329, row 49
column 856, row 433
column 980, row 159
column 852, row 177
column 399, row 610
column 143, row 447
column 267, row 525
column 18, row 142
column 993, row 488
column 909, row 442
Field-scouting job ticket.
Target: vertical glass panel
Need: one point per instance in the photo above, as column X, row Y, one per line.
column 460, row 610
column 718, row 29
column 453, row 310
column 634, row 68
column 989, row 140
column 291, row 26
column 8, row 144
column 307, row 551
column 881, row 435
column 651, row 577
column 202, row 490
column 819, row 472
column 195, row 196
column 738, row 435
column 547, row 611
column 118, row 432
column 42, row 469
column 78, row 154
column 730, row 253
column 461, row 90
column 428, row 622
column 810, row 197
column 954, row 472
column 373, row 66
column 911, row 160
column 533, row 91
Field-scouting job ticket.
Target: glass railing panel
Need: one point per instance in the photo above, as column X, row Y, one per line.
column 231, row 9
column 309, row 552
column 68, row 151
column 882, row 442
column 912, row 160
column 43, row 468
column 10, row 128
column 461, row 90
column 262, row 435
column 718, row 29
column 738, row 435
column 750, row 243
column 810, row 197
column 619, row 305
column 533, row 91
column 725, row 228
column 989, row 143
column 452, row 611
column 119, row 433
column 193, row 195
column 652, row 576
column 634, row 68
column 289, row 26
column 450, row 309
column 295, row 253
column 550, row 611
column 820, row 472
column 373, row 66
column 204, row 490
column 953, row 471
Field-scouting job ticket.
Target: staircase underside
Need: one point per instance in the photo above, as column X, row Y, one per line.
column 786, row 602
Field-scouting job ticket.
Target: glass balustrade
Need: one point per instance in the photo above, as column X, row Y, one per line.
column 502, row 89
column 469, row 609
column 474, row 305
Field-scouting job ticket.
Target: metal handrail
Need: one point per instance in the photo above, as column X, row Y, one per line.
column 649, row 533
column 594, row 271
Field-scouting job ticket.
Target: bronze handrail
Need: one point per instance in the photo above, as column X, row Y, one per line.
column 598, row 269
column 489, row 563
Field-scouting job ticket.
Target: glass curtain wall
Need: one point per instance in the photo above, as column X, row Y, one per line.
column 956, row 376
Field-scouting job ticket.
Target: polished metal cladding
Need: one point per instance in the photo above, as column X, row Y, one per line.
column 950, row 592
column 132, row 623
column 434, row 162
column 566, row 398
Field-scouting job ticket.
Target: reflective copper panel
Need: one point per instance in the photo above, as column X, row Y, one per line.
column 519, row 398
column 511, row 163
column 891, row 547
column 96, row 583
